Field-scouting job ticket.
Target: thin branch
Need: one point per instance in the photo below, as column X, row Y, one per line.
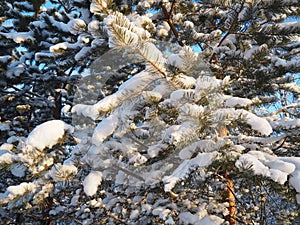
column 169, row 20
column 64, row 6
column 130, row 173
column 231, row 29
column 283, row 109
column 28, row 92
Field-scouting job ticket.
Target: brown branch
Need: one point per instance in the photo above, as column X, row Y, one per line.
column 281, row 144
column 172, row 8
column 169, row 20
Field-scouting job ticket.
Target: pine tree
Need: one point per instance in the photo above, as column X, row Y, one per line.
column 189, row 115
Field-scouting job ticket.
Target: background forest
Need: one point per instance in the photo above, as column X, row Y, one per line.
column 149, row 112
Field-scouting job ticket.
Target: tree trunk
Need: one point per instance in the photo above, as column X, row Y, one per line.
column 231, row 200
column 58, row 106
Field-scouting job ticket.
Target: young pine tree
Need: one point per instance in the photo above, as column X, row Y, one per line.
column 200, row 131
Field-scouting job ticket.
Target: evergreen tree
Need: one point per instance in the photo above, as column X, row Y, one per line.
column 189, row 115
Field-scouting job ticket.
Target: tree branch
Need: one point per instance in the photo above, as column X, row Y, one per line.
column 230, row 30
column 169, row 20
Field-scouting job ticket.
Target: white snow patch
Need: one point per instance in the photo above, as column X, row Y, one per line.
column 278, row 176
column 170, row 221
column 91, row 182
column 277, row 168
column 250, row 53
column 86, row 111
column 5, row 59
column 205, row 84
column 4, row 126
column 82, row 54
column 285, row 123
column 236, row 101
column 161, row 212
column 48, row 134
column 211, row 220
column 176, row 61
column 61, row 172
column 129, row 88
column 280, row 165
column 18, row 190
column 76, row 26
column 18, row 170
column 108, row 103
column 19, row 37
column 181, row 94
column 40, row 56
column 295, row 181
column 257, row 123
column 94, row 27
column 188, row 218
column 66, row 109
column 201, row 160
column 104, row 129
column 59, row 47
column 7, row 157
column 6, row 146
column 200, row 146
column 298, row 198
column 134, row 214
column 250, row 161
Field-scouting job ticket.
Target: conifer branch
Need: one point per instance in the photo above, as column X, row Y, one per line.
column 230, row 30
column 27, row 91
column 169, row 20
column 136, row 42
column 284, row 56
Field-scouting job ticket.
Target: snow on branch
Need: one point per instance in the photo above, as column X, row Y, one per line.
column 123, row 33
column 201, row 160
column 100, row 6
column 104, row 129
column 276, row 168
column 48, row 134
column 19, row 37
column 257, row 123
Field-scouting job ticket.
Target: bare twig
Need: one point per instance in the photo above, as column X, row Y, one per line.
column 130, row 173
column 18, row 89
